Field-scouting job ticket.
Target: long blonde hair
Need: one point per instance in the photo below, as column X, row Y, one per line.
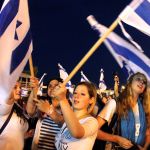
column 146, row 104
column 125, row 99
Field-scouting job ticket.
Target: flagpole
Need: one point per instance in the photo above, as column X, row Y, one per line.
column 31, row 66
column 92, row 50
column 32, row 74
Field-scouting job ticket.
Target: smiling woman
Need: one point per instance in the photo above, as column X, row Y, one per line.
column 131, row 126
column 15, row 130
column 131, row 104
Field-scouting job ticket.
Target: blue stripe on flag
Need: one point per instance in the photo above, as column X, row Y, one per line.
column 144, row 11
column 8, row 14
column 20, row 52
column 129, row 55
column 68, row 85
column 101, row 82
column 127, row 69
column 17, row 25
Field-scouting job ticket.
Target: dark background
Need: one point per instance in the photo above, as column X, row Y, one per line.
column 62, row 35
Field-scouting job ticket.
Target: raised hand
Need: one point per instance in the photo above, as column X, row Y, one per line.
column 42, row 105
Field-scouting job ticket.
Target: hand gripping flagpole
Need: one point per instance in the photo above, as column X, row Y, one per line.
column 93, row 48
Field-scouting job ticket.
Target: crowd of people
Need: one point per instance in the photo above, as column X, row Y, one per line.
column 87, row 121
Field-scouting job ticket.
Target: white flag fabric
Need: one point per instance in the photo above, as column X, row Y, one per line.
column 127, row 56
column 102, row 85
column 63, row 76
column 40, row 89
column 15, row 43
column 137, row 14
column 83, row 77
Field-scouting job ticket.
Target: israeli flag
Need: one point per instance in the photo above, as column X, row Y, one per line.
column 40, row 89
column 102, row 85
column 63, row 76
column 137, row 14
column 127, row 56
column 83, row 77
column 15, row 43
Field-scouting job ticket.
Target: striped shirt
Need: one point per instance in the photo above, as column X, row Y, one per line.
column 48, row 131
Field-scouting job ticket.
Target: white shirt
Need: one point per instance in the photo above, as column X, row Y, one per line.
column 137, row 120
column 12, row 137
column 64, row 140
column 108, row 111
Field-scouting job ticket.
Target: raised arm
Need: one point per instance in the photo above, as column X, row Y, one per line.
column 75, row 128
column 116, row 85
column 31, row 105
column 105, row 116
column 47, row 108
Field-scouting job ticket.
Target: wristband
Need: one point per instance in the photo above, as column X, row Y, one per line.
column 50, row 111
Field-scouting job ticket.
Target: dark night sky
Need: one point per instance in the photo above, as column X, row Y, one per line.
column 62, row 35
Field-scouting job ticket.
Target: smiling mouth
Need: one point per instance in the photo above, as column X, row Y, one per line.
column 76, row 102
column 140, row 86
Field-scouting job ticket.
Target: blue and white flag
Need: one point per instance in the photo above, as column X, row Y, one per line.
column 137, row 14
column 15, row 43
column 63, row 76
column 127, row 56
column 102, row 85
column 40, row 89
column 83, row 77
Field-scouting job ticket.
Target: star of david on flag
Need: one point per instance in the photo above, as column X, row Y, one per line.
column 15, row 43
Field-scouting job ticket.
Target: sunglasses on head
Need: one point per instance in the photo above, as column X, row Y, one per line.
column 141, row 80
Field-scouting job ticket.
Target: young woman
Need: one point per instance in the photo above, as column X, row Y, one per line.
column 130, row 108
column 49, row 125
column 12, row 136
column 80, row 129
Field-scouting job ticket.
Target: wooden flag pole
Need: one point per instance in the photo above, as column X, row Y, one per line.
column 32, row 74
column 92, row 50
column 31, row 66
column 31, row 105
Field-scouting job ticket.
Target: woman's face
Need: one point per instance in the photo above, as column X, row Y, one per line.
column 139, row 84
column 17, row 91
column 81, row 98
column 51, row 87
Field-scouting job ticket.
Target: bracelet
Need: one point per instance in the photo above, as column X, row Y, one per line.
column 50, row 111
